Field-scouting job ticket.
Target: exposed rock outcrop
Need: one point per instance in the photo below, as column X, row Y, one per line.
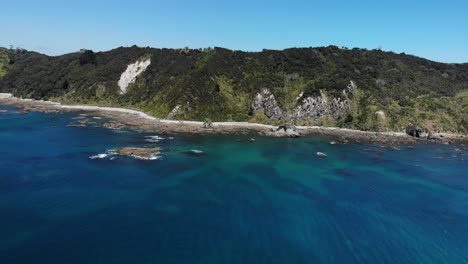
column 266, row 100
column 413, row 131
column 313, row 108
column 131, row 73
column 146, row 153
column 286, row 131
column 207, row 124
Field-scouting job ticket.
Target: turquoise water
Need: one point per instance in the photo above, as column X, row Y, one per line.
column 271, row 201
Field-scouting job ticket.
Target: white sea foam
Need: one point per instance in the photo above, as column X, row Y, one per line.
column 109, row 153
column 153, row 139
column 99, row 156
column 196, row 151
column 152, row 157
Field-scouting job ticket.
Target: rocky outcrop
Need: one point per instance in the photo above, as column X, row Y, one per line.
column 145, row 153
column 266, row 100
column 113, row 125
column 313, row 108
column 207, row 124
column 286, row 131
column 414, row 131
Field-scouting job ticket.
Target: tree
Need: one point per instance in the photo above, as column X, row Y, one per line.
column 88, row 56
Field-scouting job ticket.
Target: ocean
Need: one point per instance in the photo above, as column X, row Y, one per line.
column 64, row 198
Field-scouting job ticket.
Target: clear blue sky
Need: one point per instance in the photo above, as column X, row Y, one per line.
column 436, row 30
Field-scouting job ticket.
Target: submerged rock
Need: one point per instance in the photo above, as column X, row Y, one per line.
column 343, row 140
column 113, row 125
column 194, row 152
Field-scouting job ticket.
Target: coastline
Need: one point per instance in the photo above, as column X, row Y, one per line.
column 140, row 121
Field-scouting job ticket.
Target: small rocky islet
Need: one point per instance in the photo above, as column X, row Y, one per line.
column 142, row 152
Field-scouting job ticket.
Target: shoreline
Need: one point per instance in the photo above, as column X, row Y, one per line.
column 140, row 121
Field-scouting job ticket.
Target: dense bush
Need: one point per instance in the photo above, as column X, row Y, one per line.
column 219, row 83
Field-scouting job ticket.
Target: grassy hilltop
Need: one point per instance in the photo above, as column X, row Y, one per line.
column 389, row 90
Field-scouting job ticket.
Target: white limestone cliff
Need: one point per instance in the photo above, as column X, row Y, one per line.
column 131, row 73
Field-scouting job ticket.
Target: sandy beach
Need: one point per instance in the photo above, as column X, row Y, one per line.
column 137, row 120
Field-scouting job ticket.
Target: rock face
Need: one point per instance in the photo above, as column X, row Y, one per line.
column 146, row 153
column 131, row 73
column 175, row 111
column 266, row 100
column 313, row 108
column 413, row 131
column 310, row 108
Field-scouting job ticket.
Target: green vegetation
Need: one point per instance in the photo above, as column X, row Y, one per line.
column 205, row 59
column 3, row 63
column 287, row 95
column 392, row 90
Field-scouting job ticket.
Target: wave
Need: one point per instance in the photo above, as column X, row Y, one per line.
column 99, row 156
column 154, row 157
column 154, row 139
column 109, row 153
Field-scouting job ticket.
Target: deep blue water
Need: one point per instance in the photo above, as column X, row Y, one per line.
column 271, row 201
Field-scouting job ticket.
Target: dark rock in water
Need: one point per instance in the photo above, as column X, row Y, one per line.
column 113, row 125
column 413, row 131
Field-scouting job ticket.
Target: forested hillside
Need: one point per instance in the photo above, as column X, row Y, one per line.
column 356, row 88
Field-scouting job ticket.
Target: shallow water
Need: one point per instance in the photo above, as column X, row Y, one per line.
column 270, row 201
